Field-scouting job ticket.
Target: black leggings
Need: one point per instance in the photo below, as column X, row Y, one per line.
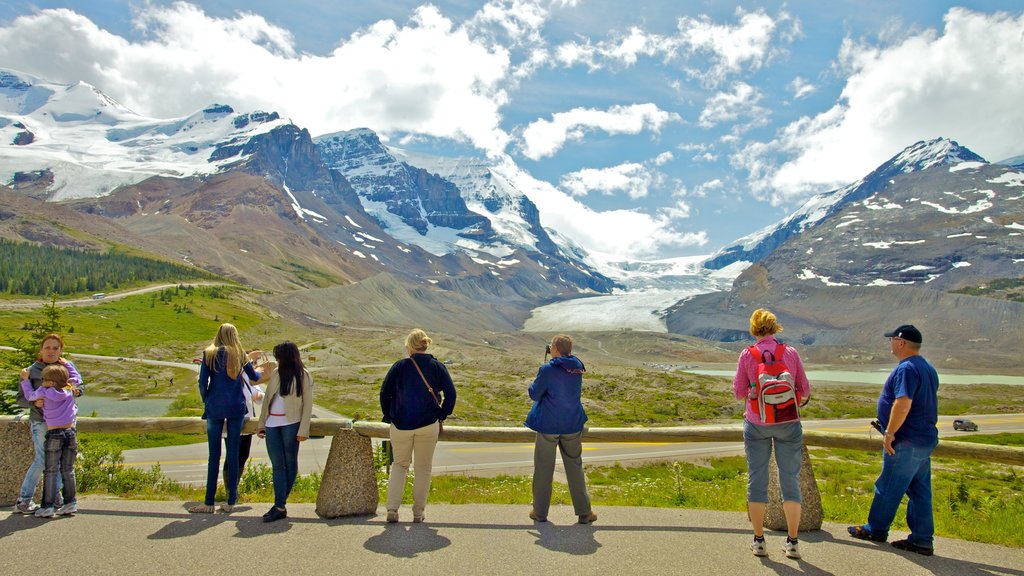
column 244, row 445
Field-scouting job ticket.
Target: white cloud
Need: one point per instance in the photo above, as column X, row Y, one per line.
column 729, row 48
column 963, row 83
column 801, row 88
column 544, row 138
column 730, row 106
column 427, row 76
column 702, row 190
column 664, row 158
column 619, row 234
column 633, row 178
column 747, row 44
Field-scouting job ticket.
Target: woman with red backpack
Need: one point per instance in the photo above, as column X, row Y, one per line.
column 770, row 379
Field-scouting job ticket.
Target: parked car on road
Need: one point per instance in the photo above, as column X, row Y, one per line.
column 966, row 425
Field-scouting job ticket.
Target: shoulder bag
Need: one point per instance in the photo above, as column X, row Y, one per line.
column 440, row 424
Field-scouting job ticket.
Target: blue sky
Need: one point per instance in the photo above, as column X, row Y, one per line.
column 641, row 129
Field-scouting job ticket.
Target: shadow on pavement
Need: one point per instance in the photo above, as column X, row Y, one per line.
column 16, row 522
column 406, row 541
column 938, row 565
column 572, row 539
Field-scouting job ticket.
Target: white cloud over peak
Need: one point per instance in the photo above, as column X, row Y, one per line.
column 801, row 88
column 730, row 106
column 543, row 138
column 631, row 177
column 427, row 76
column 963, row 83
column 729, row 48
column 619, row 234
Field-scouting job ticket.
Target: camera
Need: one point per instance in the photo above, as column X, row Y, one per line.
column 877, row 426
column 547, row 349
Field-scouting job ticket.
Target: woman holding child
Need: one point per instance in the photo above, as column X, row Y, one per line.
column 220, row 387
column 284, row 422
column 50, row 351
column 770, row 380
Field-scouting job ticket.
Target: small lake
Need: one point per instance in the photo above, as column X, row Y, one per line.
column 115, row 407
column 851, row 377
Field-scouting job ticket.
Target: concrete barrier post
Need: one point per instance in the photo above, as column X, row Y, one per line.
column 810, row 511
column 16, row 454
column 349, row 483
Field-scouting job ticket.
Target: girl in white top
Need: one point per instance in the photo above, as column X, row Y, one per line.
column 284, row 422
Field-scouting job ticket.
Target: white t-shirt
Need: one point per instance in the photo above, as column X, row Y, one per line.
column 276, row 415
column 248, row 390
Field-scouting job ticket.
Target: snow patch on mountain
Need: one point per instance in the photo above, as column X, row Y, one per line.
column 93, row 145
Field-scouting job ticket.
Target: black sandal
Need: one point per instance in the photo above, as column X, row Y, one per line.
column 911, row 547
column 862, row 533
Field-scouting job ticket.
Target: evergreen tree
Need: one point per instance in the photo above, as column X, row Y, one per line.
column 26, row 351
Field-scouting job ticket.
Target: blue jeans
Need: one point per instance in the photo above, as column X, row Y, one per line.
column 283, row 449
column 908, row 471
column 28, row 487
column 61, row 450
column 214, row 427
column 757, row 443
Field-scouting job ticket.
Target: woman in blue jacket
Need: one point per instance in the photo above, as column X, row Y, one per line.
column 558, row 417
column 220, row 387
column 417, row 394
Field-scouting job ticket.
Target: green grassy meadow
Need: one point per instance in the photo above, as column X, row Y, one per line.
column 974, row 501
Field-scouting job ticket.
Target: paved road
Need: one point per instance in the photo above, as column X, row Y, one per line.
column 24, row 304
column 161, row 539
column 188, row 463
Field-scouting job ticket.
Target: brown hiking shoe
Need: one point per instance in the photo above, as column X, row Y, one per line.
column 588, row 518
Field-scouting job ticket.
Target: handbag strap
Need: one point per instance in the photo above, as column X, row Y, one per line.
column 425, row 383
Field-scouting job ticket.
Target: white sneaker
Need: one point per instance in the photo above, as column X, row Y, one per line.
column 26, row 507
column 792, row 549
column 44, row 512
column 67, row 509
column 759, row 548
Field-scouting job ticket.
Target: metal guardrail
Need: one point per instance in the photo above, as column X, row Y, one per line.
column 720, row 433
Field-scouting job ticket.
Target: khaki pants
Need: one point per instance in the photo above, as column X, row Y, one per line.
column 410, row 445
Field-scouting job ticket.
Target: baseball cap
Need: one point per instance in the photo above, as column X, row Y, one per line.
column 907, row 332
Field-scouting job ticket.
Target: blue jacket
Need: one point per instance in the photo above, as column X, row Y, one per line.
column 222, row 395
column 556, row 393
column 405, row 400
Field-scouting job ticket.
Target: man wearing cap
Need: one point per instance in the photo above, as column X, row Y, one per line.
column 908, row 412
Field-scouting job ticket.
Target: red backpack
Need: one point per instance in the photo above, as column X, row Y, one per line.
column 775, row 399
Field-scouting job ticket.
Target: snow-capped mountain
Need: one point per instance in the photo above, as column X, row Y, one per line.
column 892, row 249
column 250, row 196
column 81, row 143
column 919, row 156
column 447, row 205
column 1015, row 162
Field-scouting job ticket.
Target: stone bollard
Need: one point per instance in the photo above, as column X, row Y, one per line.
column 349, row 483
column 16, row 455
column 810, row 512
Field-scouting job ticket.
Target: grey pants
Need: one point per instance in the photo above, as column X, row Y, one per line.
column 571, row 447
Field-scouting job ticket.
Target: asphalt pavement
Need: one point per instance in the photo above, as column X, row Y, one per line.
column 146, row 538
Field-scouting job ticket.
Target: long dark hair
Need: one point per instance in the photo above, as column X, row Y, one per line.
column 289, row 367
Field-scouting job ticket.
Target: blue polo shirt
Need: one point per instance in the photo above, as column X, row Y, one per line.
column 914, row 378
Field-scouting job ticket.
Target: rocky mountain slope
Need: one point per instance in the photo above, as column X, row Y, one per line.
column 888, row 252
column 253, row 197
